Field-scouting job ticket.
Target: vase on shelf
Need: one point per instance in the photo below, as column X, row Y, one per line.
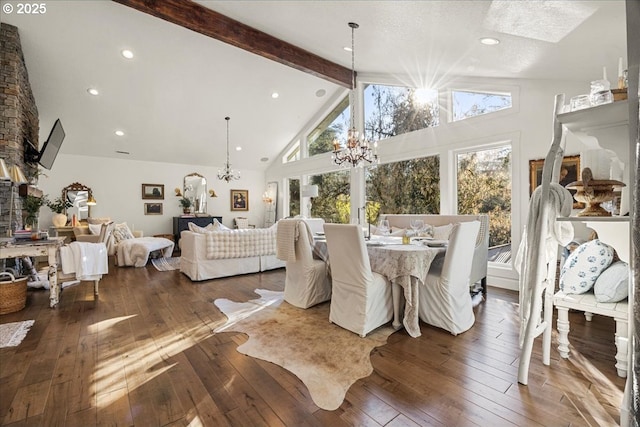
column 59, row 220
column 594, row 192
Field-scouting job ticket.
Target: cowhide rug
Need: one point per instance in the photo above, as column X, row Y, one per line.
column 326, row 358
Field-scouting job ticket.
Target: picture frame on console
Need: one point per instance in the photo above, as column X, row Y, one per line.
column 153, row 191
column 239, row 200
column 153, row 208
column 569, row 172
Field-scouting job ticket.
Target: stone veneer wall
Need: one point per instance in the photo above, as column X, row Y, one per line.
column 18, row 119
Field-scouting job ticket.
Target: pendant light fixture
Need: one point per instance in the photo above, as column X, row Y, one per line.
column 228, row 174
column 357, row 151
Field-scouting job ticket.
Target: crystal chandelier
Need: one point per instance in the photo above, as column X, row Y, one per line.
column 228, row 174
column 357, row 150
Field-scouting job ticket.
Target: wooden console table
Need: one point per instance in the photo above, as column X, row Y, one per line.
column 48, row 248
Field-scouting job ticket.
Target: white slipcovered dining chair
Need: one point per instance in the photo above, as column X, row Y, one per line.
column 361, row 299
column 445, row 301
column 307, row 280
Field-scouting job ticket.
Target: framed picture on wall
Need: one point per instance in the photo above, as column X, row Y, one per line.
column 239, row 200
column 153, row 208
column 153, row 191
column 569, row 172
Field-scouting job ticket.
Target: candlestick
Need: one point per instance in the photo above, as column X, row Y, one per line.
column 620, row 74
column 619, row 67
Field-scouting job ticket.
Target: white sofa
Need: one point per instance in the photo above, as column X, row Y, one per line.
column 481, row 251
column 195, row 263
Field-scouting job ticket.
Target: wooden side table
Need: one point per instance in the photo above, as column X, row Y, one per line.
column 48, row 248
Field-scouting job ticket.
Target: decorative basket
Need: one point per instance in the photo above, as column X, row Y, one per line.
column 13, row 293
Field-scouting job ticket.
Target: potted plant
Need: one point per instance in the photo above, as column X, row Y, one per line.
column 59, row 206
column 186, row 205
column 32, row 205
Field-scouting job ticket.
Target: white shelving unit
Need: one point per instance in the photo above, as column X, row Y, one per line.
column 605, row 126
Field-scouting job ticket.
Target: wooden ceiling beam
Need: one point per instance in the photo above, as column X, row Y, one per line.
column 205, row 21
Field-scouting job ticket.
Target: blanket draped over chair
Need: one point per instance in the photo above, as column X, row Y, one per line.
column 241, row 243
column 87, row 260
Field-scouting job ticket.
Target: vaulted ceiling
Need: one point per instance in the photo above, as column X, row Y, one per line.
column 170, row 100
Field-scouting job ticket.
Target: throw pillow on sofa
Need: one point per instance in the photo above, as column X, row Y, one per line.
column 442, row 232
column 581, row 270
column 197, row 229
column 121, row 232
column 218, row 226
column 613, row 283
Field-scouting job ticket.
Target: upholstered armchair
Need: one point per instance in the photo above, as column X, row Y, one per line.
column 242, row 222
column 91, row 233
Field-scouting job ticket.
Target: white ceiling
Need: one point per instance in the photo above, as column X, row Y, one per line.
column 171, row 99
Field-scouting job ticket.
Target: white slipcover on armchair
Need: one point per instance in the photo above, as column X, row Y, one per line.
column 445, row 301
column 307, row 281
column 361, row 299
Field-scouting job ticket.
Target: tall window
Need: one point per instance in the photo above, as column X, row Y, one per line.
column 410, row 186
column 334, row 126
column 394, row 110
column 294, row 197
column 471, row 104
column 333, row 201
column 484, row 186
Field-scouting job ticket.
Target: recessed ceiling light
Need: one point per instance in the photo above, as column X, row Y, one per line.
column 347, row 48
column 127, row 53
column 119, row 133
column 489, row 41
column 93, row 91
column 238, row 148
column 320, row 93
column 275, row 95
column 264, row 159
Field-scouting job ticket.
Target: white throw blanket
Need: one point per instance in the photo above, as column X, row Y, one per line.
column 135, row 252
column 559, row 233
column 241, row 243
column 286, row 240
column 88, row 261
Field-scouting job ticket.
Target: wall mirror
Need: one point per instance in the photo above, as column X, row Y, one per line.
column 270, row 199
column 79, row 196
column 195, row 189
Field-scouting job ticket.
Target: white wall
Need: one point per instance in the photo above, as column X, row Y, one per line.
column 527, row 126
column 117, row 187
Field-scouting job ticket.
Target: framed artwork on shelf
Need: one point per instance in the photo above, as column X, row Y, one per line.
column 569, row 172
column 153, row 191
column 153, row 208
column 239, row 200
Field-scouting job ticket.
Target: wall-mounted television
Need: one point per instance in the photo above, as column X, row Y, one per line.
column 50, row 149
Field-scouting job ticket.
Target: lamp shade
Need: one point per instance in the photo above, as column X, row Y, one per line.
column 309, row 191
column 17, row 176
column 4, row 171
column 91, row 201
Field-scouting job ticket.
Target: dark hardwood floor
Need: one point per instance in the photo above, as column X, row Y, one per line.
column 145, row 355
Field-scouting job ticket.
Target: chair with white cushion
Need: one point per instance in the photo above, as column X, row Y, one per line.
column 361, row 299
column 445, row 301
column 307, row 281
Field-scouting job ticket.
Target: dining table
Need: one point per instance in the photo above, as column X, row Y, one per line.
column 404, row 265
